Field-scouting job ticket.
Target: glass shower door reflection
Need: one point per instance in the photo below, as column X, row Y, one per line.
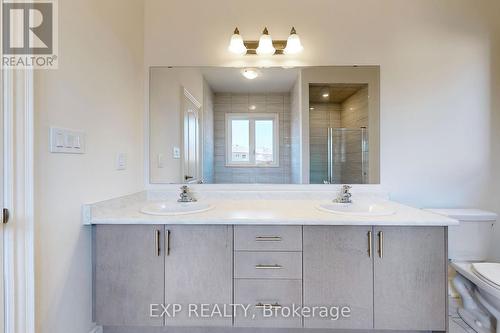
column 346, row 156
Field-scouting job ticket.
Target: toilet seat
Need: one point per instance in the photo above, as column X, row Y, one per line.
column 489, row 272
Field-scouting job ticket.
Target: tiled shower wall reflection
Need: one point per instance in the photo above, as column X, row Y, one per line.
column 350, row 157
column 240, row 103
column 355, row 115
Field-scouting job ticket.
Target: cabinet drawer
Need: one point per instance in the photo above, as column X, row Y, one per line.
column 256, row 293
column 268, row 238
column 268, row 265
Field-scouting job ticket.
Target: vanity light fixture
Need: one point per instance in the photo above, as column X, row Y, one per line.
column 265, row 46
column 293, row 44
column 236, row 44
column 250, row 73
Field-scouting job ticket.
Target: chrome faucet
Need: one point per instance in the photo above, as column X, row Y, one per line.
column 344, row 195
column 185, row 195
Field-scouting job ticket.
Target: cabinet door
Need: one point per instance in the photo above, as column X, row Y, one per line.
column 338, row 271
column 128, row 274
column 410, row 278
column 198, row 270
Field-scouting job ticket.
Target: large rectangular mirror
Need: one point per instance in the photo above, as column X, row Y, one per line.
column 220, row 125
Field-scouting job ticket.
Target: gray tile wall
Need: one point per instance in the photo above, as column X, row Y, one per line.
column 355, row 110
column 295, row 107
column 208, row 135
column 355, row 115
column 239, row 103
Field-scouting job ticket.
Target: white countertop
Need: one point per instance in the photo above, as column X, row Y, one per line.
column 248, row 210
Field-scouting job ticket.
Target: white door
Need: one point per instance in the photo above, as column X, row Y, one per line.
column 191, row 138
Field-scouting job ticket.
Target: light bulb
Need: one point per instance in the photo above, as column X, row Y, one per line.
column 293, row 44
column 265, row 44
column 236, row 44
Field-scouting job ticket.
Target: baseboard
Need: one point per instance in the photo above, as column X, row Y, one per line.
column 96, row 329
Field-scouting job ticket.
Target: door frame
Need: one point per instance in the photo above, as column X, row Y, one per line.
column 186, row 95
column 18, row 247
column 2, row 203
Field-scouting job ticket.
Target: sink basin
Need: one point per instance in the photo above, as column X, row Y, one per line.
column 175, row 208
column 357, row 209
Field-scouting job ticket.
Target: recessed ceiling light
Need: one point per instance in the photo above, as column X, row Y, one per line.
column 311, row 108
column 250, row 73
column 252, row 107
column 325, row 92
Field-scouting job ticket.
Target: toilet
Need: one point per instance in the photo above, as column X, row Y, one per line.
column 476, row 281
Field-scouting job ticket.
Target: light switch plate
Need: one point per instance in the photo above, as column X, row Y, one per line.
column 121, row 161
column 177, row 153
column 67, row 141
column 161, row 161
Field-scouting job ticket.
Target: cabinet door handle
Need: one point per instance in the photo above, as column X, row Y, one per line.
column 157, row 243
column 370, row 244
column 168, row 242
column 268, row 267
column 6, row 215
column 380, row 244
column 268, row 239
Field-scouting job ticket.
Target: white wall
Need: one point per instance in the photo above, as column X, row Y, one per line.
column 166, row 118
column 437, row 138
column 494, row 187
column 98, row 88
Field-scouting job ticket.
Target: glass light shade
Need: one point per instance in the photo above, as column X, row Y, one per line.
column 250, row 73
column 265, row 45
column 293, row 45
column 236, row 45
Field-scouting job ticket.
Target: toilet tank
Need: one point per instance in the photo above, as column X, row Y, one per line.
column 471, row 240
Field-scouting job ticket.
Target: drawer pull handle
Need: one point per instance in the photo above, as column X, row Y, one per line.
column 268, row 239
column 268, row 267
column 268, row 305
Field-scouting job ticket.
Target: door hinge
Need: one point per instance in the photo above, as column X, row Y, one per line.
column 6, row 215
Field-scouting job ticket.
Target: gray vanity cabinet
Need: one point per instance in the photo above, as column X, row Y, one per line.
column 198, row 270
column 338, row 272
column 128, row 274
column 410, row 278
